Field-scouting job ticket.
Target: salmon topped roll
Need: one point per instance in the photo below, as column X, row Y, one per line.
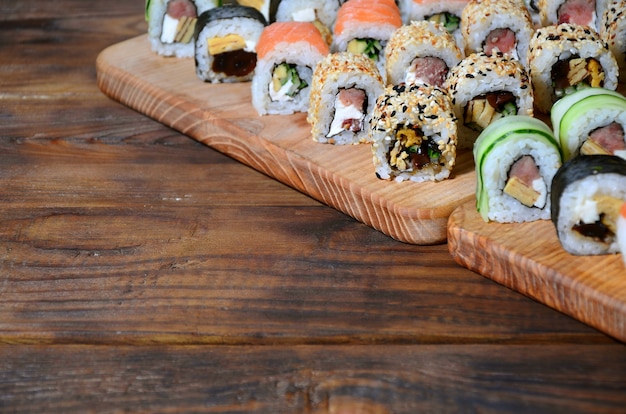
column 171, row 25
column 364, row 27
column 287, row 55
column 497, row 26
column 420, row 52
column 565, row 58
column 321, row 13
column 343, row 93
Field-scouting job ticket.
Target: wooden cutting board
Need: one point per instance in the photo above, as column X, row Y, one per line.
column 528, row 258
column 222, row 117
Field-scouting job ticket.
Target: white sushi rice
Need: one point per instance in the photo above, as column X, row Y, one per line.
column 502, row 207
column 308, row 10
column 249, row 29
column 305, row 57
column 577, row 205
column 342, row 71
column 156, row 17
column 554, row 43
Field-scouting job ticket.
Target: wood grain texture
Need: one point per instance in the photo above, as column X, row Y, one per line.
column 222, row 117
column 528, row 258
column 314, row 379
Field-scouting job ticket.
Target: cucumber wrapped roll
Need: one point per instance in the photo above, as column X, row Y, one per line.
column 171, row 24
column 413, row 134
column 515, row 160
column 225, row 43
column 587, row 195
column 590, row 121
column 565, row 58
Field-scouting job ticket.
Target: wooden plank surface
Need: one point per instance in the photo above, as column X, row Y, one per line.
column 528, row 258
column 314, row 379
column 280, row 146
column 142, row 271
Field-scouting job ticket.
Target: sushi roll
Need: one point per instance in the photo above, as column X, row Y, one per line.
column 321, row 13
column 590, row 121
column 266, row 7
column 587, row 196
column 225, row 43
column 497, row 25
column 171, row 25
column 413, row 134
column 515, row 160
column 287, row 55
column 485, row 88
column 580, row 12
column 621, row 231
column 613, row 32
column 420, row 52
column 364, row 27
column 567, row 57
column 343, row 94
column 446, row 13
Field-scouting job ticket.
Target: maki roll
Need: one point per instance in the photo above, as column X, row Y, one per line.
column 580, row 12
column 485, row 88
column 446, row 13
column 567, row 57
column 171, row 25
column 343, row 93
column 613, row 32
column 225, row 43
column 321, row 13
column 421, row 51
column 590, row 121
column 621, row 231
column 497, row 26
column 287, row 55
column 515, row 160
column 364, row 27
column 413, row 134
column 266, row 7
column 587, row 195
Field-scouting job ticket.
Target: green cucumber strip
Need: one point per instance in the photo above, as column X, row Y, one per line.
column 508, row 128
column 563, row 105
column 579, row 109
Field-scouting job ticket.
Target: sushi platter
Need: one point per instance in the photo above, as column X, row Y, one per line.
column 222, row 117
column 525, row 257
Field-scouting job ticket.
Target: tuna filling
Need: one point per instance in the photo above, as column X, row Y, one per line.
column 605, row 140
column 350, row 108
column 484, row 109
column 580, row 12
column 525, row 183
column 429, row 70
column 413, row 151
column 179, row 22
column 500, row 40
column 574, row 73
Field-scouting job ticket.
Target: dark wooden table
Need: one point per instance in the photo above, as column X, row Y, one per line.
column 142, row 271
